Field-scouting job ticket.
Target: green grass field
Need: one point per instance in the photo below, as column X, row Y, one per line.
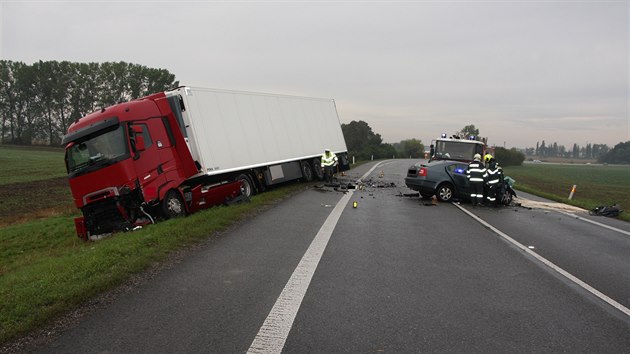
column 30, row 164
column 596, row 184
column 33, row 185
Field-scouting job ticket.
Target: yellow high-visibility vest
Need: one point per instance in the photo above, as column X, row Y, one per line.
column 329, row 159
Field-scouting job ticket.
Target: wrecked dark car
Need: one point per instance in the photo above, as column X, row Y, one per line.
column 446, row 179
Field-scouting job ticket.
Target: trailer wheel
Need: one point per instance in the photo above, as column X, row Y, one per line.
column 307, row 171
column 319, row 173
column 172, row 205
column 247, row 187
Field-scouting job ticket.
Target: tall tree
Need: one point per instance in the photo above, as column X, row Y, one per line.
column 363, row 143
column 620, row 154
column 359, row 135
column 412, row 148
column 7, row 96
column 468, row 131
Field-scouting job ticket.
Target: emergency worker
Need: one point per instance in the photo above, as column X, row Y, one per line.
column 329, row 161
column 495, row 177
column 486, row 159
column 476, row 174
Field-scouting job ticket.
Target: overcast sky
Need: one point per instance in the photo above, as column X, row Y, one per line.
column 520, row 71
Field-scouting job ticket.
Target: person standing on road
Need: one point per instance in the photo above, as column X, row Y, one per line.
column 495, row 177
column 329, row 161
column 476, row 174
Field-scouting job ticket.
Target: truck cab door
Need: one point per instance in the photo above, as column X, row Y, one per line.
column 149, row 162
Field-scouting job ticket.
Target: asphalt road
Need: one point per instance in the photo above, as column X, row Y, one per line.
column 397, row 274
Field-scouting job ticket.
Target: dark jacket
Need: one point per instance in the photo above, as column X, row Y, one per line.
column 476, row 172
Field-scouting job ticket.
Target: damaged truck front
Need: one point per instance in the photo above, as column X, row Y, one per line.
column 129, row 164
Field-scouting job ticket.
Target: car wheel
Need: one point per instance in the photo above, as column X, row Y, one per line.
column 173, row 205
column 445, row 192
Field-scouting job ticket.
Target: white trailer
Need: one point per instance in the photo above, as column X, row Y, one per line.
column 259, row 138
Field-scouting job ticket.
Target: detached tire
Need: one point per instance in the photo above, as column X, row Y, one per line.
column 173, row 205
column 307, row 171
column 445, row 192
column 319, row 174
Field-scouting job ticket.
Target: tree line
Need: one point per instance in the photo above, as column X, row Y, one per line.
column 590, row 151
column 364, row 144
column 619, row 154
column 38, row 102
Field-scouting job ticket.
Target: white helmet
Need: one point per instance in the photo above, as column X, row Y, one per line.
column 477, row 157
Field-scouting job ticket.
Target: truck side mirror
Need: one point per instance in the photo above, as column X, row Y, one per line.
column 140, row 143
column 139, row 139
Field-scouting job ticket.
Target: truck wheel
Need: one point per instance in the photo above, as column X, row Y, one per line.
column 307, row 171
column 172, row 205
column 247, row 188
column 319, row 174
column 445, row 192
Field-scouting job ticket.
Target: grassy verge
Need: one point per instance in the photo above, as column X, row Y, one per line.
column 26, row 164
column 45, row 270
column 596, row 185
column 33, row 184
column 27, row 201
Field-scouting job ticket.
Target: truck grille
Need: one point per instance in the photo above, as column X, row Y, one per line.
column 102, row 217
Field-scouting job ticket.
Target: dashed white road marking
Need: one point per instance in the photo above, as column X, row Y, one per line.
column 275, row 330
column 549, row 264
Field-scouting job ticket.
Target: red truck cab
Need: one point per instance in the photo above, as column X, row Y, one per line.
column 129, row 164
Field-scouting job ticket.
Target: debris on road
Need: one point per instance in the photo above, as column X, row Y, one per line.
column 531, row 204
column 431, row 202
column 609, row 211
column 409, row 195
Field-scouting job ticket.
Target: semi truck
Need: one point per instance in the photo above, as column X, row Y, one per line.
column 176, row 152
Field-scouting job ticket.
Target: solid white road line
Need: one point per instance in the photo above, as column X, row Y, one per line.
column 275, row 330
column 595, row 223
column 549, row 264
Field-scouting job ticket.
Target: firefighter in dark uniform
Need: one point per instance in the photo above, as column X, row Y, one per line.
column 495, row 177
column 476, row 174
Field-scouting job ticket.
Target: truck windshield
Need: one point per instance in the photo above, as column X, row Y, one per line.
column 456, row 150
column 98, row 150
